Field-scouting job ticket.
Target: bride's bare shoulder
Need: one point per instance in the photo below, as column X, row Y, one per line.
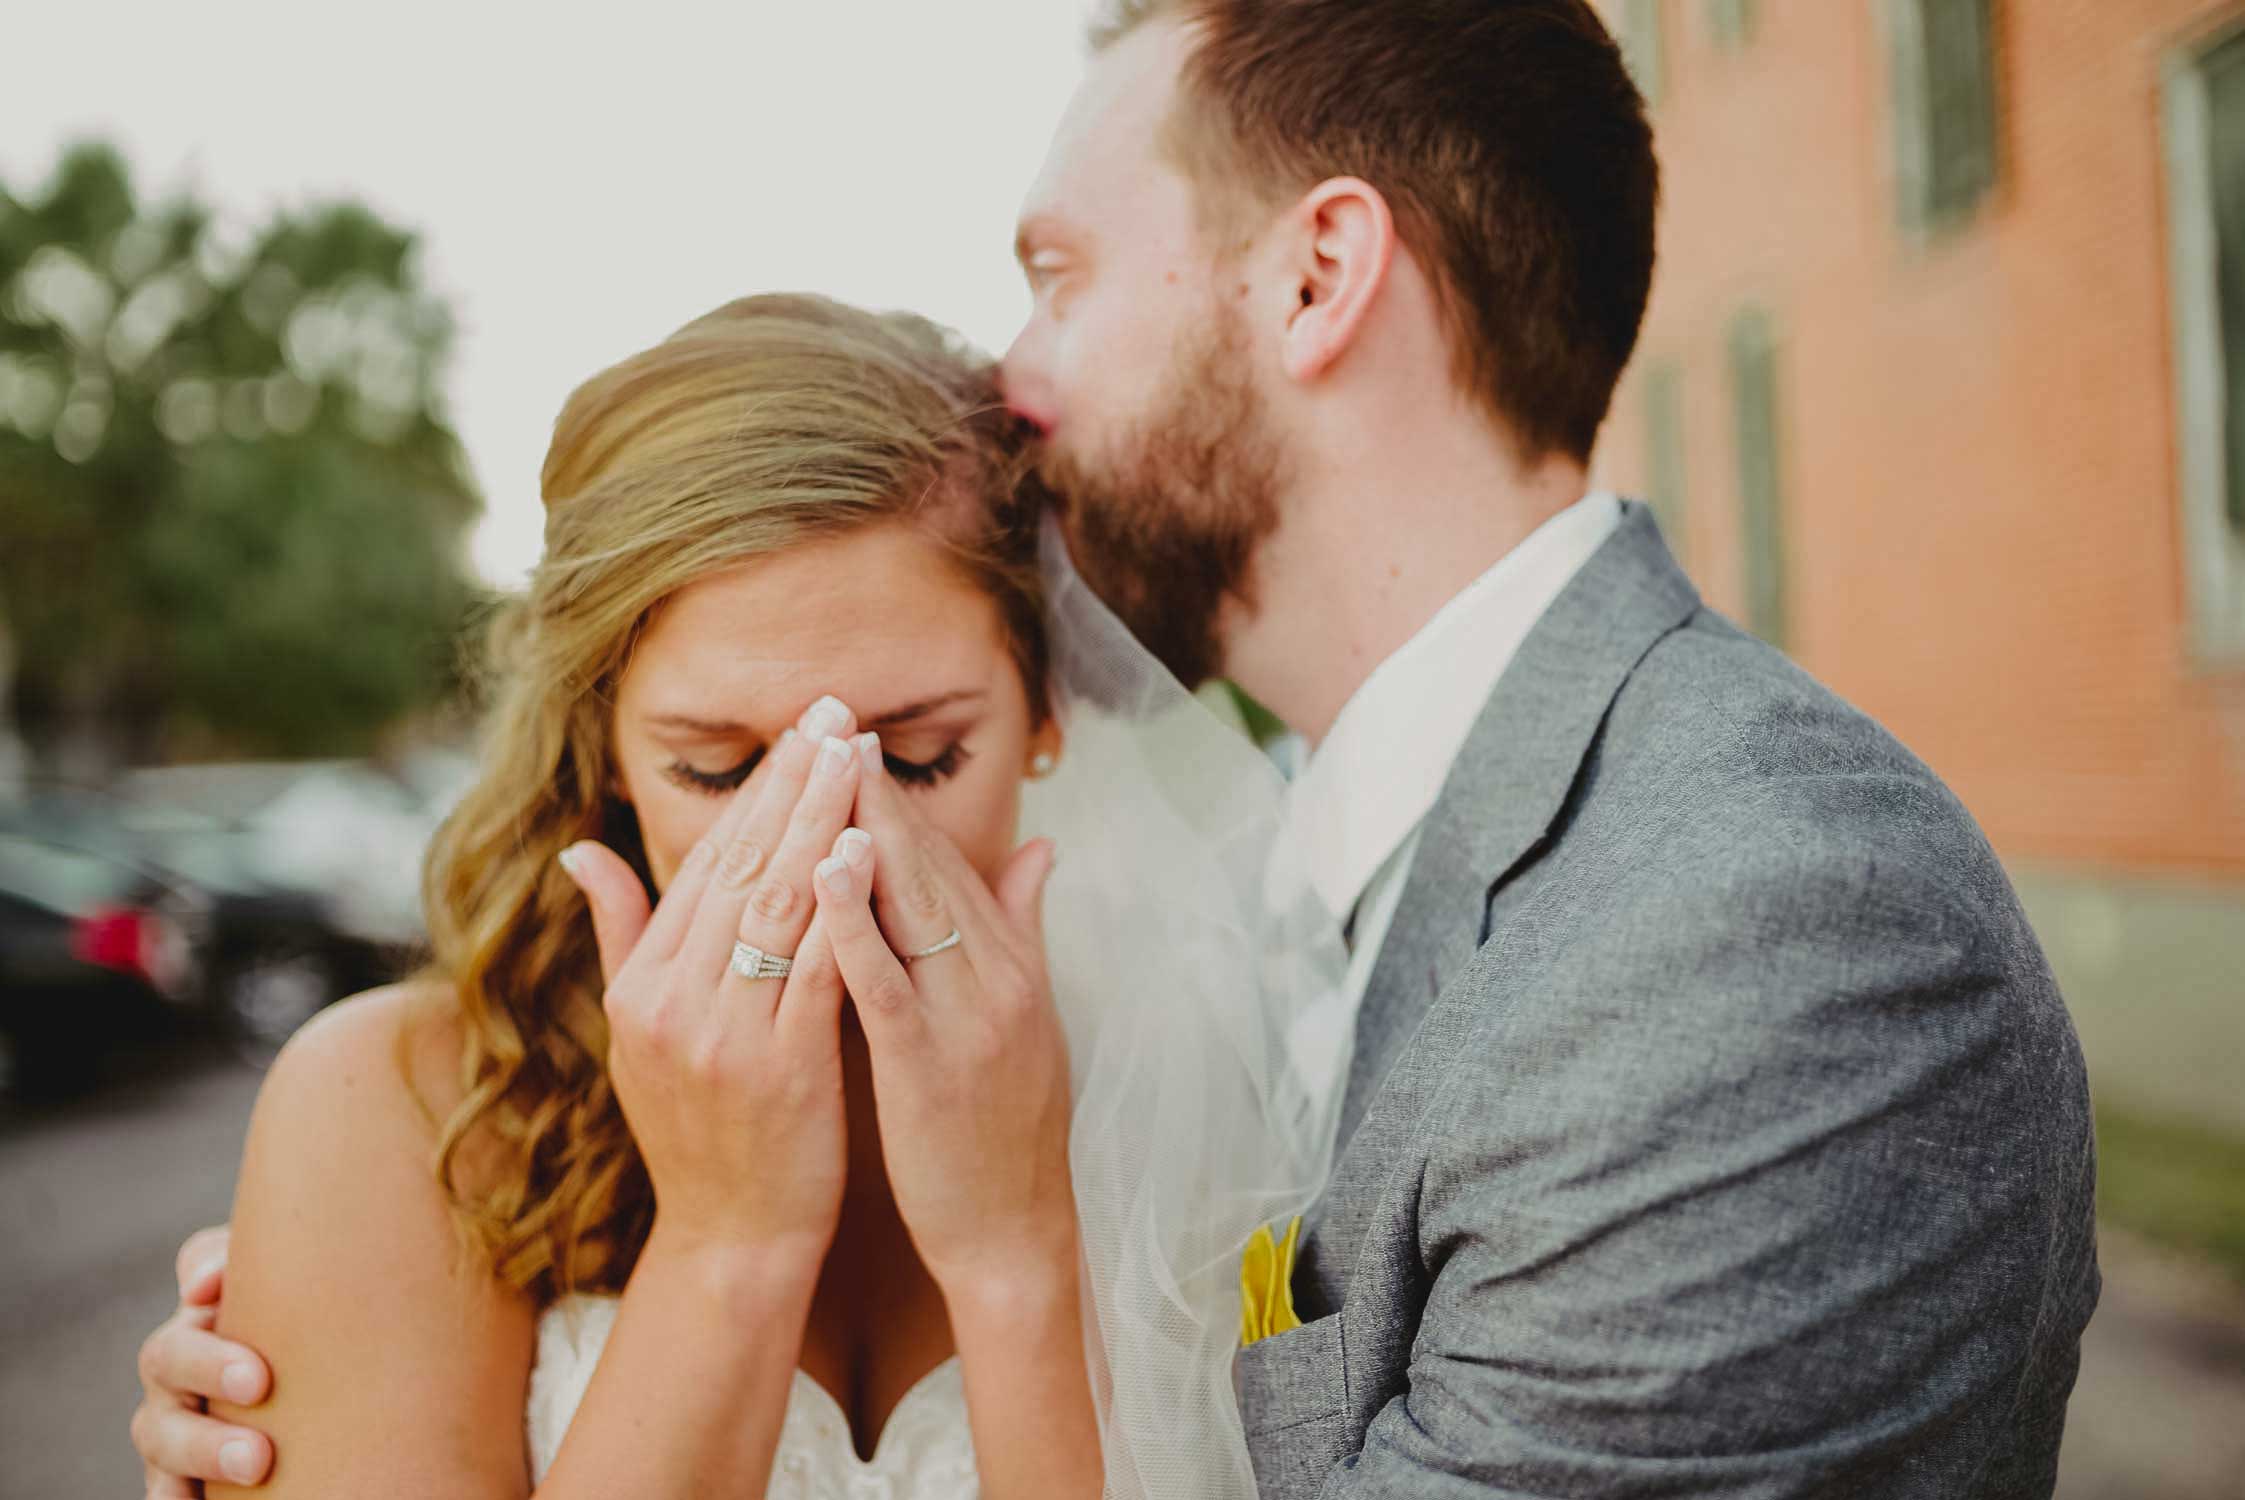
column 391, row 1054
column 373, row 1081
column 350, row 1112
column 346, row 1269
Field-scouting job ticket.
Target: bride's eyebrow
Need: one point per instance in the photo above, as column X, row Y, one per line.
column 725, row 729
column 715, row 729
column 899, row 717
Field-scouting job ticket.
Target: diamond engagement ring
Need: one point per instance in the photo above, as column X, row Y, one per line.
column 934, row 948
column 755, row 963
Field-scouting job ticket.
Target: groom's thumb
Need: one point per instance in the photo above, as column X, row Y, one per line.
column 1021, row 884
column 616, row 898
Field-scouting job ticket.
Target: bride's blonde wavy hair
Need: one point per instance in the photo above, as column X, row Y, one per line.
column 772, row 422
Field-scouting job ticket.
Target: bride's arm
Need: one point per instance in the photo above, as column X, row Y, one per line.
column 1021, row 1356
column 970, row 1078
column 402, row 1368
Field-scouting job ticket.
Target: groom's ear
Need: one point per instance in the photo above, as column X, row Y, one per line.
column 1344, row 244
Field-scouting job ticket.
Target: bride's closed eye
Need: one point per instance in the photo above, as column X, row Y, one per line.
column 929, row 772
column 912, row 773
column 716, row 783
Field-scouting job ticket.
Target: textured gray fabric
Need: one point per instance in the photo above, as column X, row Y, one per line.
column 1716, row 1127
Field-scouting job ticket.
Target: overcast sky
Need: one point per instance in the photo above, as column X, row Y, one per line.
column 585, row 178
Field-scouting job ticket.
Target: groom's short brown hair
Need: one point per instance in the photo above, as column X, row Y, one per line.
column 1508, row 139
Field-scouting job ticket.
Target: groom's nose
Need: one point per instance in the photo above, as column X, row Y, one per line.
column 1027, row 393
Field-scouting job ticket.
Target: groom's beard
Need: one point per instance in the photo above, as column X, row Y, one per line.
column 1164, row 525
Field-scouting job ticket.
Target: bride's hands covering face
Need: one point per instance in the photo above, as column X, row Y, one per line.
column 884, row 620
column 732, row 1084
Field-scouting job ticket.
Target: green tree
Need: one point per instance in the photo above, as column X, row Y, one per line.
column 232, row 515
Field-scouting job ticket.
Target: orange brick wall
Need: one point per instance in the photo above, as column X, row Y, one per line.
column 1978, row 437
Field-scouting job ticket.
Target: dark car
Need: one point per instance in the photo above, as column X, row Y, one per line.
column 93, row 946
column 173, row 907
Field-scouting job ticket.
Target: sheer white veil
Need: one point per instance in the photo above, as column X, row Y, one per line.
column 1190, row 961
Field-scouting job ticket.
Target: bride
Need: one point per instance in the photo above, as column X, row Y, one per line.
column 761, row 1125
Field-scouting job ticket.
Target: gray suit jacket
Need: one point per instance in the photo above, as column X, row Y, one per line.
column 1715, row 1129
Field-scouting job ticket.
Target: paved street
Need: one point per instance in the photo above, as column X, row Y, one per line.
column 94, row 1199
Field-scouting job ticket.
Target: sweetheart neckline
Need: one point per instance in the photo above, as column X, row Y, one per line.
column 924, row 1386
column 922, row 1389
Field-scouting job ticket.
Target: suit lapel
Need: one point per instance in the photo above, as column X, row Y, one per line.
column 1509, row 785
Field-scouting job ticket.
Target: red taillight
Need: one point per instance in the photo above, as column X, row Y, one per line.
column 117, row 937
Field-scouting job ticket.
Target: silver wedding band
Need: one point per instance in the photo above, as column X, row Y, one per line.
column 934, row 948
column 755, row 963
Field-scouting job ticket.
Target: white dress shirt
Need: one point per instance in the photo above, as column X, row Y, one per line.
column 1356, row 809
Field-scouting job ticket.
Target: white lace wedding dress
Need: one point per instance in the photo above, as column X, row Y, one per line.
column 924, row 1452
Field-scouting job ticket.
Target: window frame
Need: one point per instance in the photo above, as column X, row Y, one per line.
column 1765, row 592
column 1667, row 449
column 2213, row 548
column 1921, row 209
column 1733, row 24
column 1644, row 46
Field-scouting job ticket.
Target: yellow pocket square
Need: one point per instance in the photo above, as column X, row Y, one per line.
column 1266, row 1284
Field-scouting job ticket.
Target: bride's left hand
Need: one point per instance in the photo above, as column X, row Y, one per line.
column 970, row 1066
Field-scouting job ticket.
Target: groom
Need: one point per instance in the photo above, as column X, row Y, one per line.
column 1715, row 1127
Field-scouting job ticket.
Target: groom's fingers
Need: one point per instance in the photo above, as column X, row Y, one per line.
column 189, row 1445
column 184, row 1360
column 201, row 1265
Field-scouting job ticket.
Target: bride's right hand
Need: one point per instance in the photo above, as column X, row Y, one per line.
column 732, row 1087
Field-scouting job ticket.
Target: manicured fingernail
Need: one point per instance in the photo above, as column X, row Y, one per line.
column 833, row 755
column 854, row 845
column 568, row 861
column 239, row 1461
column 869, row 752
column 240, row 1382
column 825, row 718
column 834, row 874
column 210, row 1266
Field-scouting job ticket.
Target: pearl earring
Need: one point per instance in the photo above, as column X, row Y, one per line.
column 1042, row 764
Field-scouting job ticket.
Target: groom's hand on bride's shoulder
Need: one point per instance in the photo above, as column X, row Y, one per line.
column 183, row 1364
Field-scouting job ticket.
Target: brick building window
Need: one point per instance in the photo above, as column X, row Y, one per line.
column 1754, row 400
column 1732, row 22
column 1644, row 47
column 2205, row 123
column 1945, row 115
column 1664, row 449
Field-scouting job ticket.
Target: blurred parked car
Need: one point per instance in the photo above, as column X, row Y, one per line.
column 248, row 896
column 92, row 945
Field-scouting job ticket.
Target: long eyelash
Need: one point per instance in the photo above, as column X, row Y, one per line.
column 928, row 773
column 912, row 773
column 715, row 783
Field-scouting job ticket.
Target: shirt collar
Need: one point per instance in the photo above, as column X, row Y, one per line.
column 1383, row 765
